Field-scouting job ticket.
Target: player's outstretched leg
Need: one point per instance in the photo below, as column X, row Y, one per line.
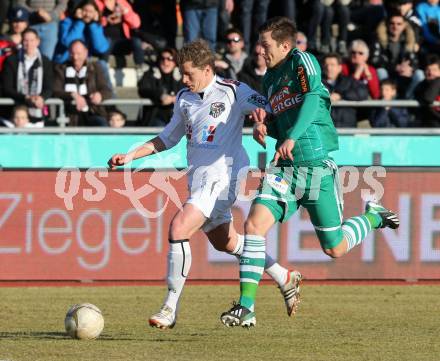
column 356, row 229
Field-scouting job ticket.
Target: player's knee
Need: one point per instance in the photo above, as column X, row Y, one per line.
column 252, row 227
column 177, row 230
column 334, row 252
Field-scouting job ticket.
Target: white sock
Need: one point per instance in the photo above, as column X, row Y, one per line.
column 238, row 250
column 277, row 272
column 179, row 263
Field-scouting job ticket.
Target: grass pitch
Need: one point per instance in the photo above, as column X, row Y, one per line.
column 346, row 323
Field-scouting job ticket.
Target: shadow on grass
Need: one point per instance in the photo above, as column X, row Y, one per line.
column 45, row 335
column 34, row 335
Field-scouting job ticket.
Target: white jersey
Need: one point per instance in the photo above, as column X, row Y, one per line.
column 212, row 122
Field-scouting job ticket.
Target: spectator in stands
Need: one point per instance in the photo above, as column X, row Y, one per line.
column 342, row 87
column 312, row 13
column 253, row 14
column 82, row 81
column 158, row 22
column 83, row 24
column 342, row 11
column 44, row 18
column 358, row 68
column 429, row 14
column 119, row 21
column 27, row 76
column 407, row 76
column 200, row 20
column 254, row 69
column 367, row 17
column 233, row 59
column 7, row 48
column 160, row 84
column 4, row 7
column 427, row 92
column 406, row 9
column 288, row 8
column 20, row 119
column 395, row 40
column 116, row 119
column 301, row 41
column 225, row 8
column 389, row 117
column 18, row 22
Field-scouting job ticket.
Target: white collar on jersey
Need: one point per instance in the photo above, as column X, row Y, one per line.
column 208, row 87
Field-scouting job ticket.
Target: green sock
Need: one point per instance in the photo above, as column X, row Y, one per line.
column 374, row 218
column 356, row 229
column 251, row 269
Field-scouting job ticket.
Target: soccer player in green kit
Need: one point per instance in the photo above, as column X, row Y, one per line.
column 303, row 173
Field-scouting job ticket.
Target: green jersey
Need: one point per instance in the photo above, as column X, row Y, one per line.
column 301, row 107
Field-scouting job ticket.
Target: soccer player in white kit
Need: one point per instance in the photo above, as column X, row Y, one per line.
column 210, row 112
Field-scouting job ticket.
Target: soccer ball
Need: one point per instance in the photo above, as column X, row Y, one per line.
column 84, row 321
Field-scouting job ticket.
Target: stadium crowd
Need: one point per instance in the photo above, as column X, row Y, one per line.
column 368, row 50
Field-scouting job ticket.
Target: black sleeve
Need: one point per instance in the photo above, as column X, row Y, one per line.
column 47, row 78
column 9, row 77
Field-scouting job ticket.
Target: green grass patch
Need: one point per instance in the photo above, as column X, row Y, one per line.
column 347, row 323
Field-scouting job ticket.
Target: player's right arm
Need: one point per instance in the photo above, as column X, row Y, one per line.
column 168, row 138
column 155, row 145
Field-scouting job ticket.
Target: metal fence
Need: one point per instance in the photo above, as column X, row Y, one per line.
column 62, row 119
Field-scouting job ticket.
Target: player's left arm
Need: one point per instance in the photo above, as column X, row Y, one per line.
column 249, row 100
column 308, row 74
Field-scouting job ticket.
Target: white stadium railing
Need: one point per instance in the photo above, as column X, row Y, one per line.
column 62, row 119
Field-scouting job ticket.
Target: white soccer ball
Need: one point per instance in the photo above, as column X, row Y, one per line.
column 84, row 321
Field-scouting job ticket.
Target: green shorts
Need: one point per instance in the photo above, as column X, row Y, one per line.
column 316, row 188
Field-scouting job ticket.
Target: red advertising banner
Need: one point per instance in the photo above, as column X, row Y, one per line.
column 71, row 225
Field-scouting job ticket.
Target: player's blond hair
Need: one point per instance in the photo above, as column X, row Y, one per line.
column 199, row 53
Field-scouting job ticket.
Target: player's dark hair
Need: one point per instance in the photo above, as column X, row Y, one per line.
column 199, row 53
column 333, row 56
column 282, row 28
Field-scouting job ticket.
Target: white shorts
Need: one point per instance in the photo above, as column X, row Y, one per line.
column 214, row 197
